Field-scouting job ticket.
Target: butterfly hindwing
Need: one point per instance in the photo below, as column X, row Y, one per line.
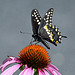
column 36, row 20
column 48, row 31
column 54, row 35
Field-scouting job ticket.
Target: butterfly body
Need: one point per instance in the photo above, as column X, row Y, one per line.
column 43, row 30
column 36, row 37
column 40, row 39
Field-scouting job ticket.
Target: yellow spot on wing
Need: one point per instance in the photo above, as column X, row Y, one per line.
column 51, row 36
column 45, row 27
column 56, row 29
column 56, row 42
column 52, row 26
column 49, row 31
column 58, row 33
column 52, row 40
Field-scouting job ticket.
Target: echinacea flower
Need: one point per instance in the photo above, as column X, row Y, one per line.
column 32, row 60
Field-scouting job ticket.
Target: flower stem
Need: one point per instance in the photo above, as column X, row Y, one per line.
column 35, row 71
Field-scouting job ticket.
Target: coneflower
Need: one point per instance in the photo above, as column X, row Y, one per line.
column 32, row 60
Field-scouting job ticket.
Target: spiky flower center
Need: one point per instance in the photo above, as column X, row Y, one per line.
column 34, row 56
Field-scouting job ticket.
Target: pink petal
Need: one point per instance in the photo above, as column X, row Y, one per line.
column 28, row 71
column 11, row 70
column 40, row 72
column 53, row 71
column 7, row 63
column 26, row 66
column 22, row 73
column 51, row 65
column 46, row 73
column 9, row 59
column 50, row 70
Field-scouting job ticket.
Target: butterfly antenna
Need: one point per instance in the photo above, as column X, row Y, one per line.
column 31, row 42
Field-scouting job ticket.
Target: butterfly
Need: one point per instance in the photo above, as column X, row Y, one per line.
column 43, row 30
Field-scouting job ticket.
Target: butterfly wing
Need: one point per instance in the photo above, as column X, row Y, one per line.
column 48, row 31
column 36, row 20
column 47, row 19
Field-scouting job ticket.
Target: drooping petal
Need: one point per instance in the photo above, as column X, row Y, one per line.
column 9, row 59
column 46, row 73
column 28, row 71
column 7, row 63
column 51, row 65
column 53, row 71
column 6, row 60
column 11, row 70
column 40, row 72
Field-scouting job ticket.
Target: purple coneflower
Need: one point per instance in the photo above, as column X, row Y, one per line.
column 32, row 60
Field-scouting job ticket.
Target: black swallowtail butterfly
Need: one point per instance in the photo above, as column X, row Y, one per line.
column 43, row 30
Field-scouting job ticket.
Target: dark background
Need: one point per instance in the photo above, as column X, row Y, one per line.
column 15, row 15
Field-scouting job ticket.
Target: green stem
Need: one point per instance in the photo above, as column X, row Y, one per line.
column 35, row 71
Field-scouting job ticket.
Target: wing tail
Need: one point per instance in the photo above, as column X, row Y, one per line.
column 64, row 36
column 45, row 43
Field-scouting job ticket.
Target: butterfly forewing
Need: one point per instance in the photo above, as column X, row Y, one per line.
column 48, row 16
column 47, row 19
column 36, row 20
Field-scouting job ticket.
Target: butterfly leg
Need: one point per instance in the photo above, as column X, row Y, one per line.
column 36, row 42
column 31, row 42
